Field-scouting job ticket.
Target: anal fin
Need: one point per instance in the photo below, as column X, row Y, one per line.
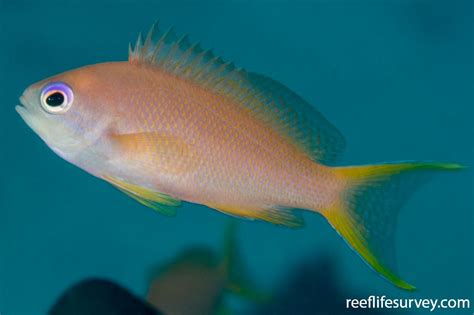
column 273, row 214
column 162, row 203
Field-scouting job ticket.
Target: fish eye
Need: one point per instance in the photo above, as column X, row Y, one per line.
column 56, row 98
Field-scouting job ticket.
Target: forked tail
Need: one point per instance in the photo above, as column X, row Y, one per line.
column 365, row 215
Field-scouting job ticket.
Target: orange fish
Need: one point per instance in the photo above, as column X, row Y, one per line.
column 197, row 281
column 177, row 123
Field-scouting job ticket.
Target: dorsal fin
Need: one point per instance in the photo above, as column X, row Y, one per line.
column 301, row 121
column 270, row 101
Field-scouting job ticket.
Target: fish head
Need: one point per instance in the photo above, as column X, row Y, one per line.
column 70, row 112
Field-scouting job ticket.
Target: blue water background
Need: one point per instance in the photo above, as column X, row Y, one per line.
column 396, row 77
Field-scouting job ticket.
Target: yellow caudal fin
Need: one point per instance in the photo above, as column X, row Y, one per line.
column 366, row 213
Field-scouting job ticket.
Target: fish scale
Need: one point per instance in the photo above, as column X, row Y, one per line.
column 177, row 123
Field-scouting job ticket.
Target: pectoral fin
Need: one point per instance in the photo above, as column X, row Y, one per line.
column 156, row 151
column 157, row 201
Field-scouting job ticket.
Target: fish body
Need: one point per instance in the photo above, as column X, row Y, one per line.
column 170, row 135
column 189, row 287
column 175, row 123
column 197, row 280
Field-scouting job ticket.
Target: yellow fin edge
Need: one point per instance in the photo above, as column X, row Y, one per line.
column 157, row 201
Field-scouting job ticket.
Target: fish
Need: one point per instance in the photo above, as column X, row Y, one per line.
column 197, row 280
column 177, row 123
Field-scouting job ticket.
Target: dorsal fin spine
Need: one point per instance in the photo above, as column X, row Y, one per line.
column 184, row 41
column 194, row 66
column 223, row 72
column 193, row 59
column 269, row 101
column 207, row 68
column 187, row 57
column 158, row 47
column 201, row 62
column 174, row 50
column 134, row 56
column 130, row 52
column 164, row 58
column 148, row 45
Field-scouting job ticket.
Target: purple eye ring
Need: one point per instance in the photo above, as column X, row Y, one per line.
column 57, row 98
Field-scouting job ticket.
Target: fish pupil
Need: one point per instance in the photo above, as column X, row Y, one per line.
column 55, row 99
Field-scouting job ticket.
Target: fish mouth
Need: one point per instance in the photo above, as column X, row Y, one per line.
column 24, row 113
column 37, row 120
column 30, row 116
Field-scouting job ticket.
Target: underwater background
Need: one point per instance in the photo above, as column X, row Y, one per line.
column 395, row 77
